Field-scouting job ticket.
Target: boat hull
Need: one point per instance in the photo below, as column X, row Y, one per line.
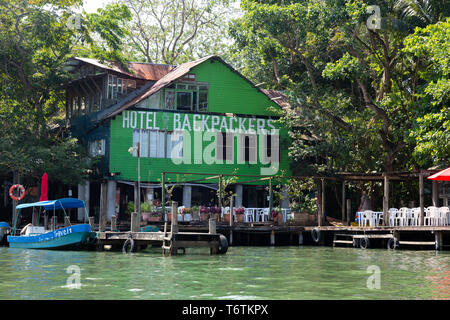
column 4, row 230
column 70, row 237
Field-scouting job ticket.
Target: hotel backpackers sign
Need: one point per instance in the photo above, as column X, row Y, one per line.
column 191, row 138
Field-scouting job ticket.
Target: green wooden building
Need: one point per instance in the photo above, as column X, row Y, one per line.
column 192, row 121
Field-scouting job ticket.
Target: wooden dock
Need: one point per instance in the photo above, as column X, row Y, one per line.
column 170, row 241
column 217, row 236
column 269, row 234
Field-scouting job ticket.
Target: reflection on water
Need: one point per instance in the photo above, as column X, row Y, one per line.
column 243, row 273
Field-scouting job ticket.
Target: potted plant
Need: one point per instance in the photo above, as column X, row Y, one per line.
column 277, row 215
column 155, row 216
column 204, row 213
column 239, row 214
column 195, row 213
column 186, row 214
column 214, row 212
column 146, row 210
column 130, row 208
column 226, row 217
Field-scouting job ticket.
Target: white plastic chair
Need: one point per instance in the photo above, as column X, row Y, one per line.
column 379, row 216
column 393, row 212
column 260, row 214
column 266, row 214
column 249, row 215
column 403, row 217
column 443, row 216
column 431, row 216
column 415, row 216
column 368, row 216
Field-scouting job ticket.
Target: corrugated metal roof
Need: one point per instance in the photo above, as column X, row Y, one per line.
column 145, row 71
column 179, row 72
column 175, row 74
column 150, row 71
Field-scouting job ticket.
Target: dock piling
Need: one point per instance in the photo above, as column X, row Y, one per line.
column 134, row 222
column 212, row 226
column 113, row 223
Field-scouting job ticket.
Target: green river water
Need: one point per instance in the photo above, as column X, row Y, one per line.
column 243, row 273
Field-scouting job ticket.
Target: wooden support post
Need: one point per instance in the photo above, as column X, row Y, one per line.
column 137, row 200
column 231, row 211
column 220, row 193
column 231, row 237
column 212, row 226
column 421, row 199
column 163, row 195
column 343, row 202
column 92, row 222
column 435, row 195
column 103, row 203
column 45, row 221
column 16, row 180
column 323, row 199
column 386, row 201
column 113, row 223
column 272, row 237
column 438, row 238
column 300, row 238
column 270, row 197
column 134, row 222
column 319, row 203
column 174, row 217
column 349, row 211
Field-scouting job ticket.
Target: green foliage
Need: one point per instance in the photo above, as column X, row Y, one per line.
column 146, row 207
column 130, row 208
column 36, row 38
column 355, row 92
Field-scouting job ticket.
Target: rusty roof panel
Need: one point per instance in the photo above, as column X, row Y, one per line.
column 150, row 71
column 145, row 71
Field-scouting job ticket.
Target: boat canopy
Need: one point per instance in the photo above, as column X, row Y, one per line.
column 64, row 203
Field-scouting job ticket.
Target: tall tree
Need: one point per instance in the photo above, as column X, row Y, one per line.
column 353, row 94
column 36, row 38
column 177, row 31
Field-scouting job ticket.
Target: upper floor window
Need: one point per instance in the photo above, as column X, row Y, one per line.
column 116, row 86
column 186, row 97
column 97, row 148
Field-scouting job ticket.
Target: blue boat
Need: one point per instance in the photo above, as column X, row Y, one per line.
column 44, row 237
column 4, row 230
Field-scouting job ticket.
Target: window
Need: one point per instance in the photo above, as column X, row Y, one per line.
column 97, row 148
column 184, row 100
column 186, row 97
column 158, row 144
column 271, row 147
column 248, row 148
column 170, row 99
column 224, row 146
column 203, row 101
column 174, row 145
column 117, row 86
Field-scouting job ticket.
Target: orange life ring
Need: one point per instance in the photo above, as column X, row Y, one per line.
column 21, row 189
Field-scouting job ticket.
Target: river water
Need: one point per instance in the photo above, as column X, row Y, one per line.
column 243, row 273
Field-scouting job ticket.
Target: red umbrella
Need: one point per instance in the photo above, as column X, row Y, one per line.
column 443, row 175
column 44, row 188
